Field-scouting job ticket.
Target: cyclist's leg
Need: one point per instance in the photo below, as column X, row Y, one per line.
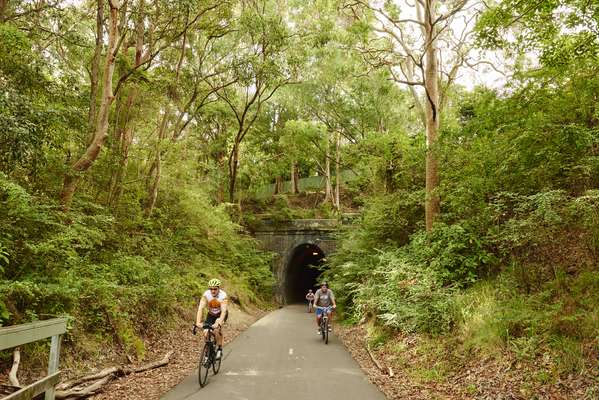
column 330, row 315
column 318, row 316
column 218, row 332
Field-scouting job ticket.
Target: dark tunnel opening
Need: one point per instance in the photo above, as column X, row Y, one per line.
column 303, row 272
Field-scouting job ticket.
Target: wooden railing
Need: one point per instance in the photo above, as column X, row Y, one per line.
column 17, row 335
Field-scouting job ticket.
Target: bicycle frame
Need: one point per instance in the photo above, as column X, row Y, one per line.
column 324, row 322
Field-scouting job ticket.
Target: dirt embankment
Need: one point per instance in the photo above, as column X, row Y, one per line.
column 443, row 373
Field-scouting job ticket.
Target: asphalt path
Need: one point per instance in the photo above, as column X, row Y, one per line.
column 282, row 357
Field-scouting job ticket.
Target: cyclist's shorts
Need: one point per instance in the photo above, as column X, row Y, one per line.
column 319, row 311
column 211, row 319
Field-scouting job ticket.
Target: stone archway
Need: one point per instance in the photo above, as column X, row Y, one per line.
column 302, row 272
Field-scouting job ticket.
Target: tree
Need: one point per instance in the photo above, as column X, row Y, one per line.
column 419, row 46
column 73, row 176
column 168, row 23
column 260, row 70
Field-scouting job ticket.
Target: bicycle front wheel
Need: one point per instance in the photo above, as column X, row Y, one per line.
column 326, row 331
column 216, row 364
column 204, row 367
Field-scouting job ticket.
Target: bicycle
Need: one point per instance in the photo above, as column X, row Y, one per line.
column 208, row 356
column 324, row 323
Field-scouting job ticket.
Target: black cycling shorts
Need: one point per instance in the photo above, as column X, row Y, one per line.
column 211, row 319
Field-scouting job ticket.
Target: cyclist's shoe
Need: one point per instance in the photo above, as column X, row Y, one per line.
column 330, row 329
column 318, row 332
column 219, row 354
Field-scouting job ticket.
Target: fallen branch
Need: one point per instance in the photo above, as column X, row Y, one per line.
column 374, row 360
column 87, row 378
column 73, row 389
column 12, row 375
column 83, row 392
column 165, row 360
column 8, row 389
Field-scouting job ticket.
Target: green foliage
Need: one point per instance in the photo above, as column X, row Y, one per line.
column 119, row 278
column 497, row 315
column 562, row 31
column 411, row 288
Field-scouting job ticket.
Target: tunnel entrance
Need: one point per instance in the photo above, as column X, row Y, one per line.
column 302, row 272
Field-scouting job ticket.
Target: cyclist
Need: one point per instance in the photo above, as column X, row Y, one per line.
column 324, row 297
column 215, row 300
column 310, row 298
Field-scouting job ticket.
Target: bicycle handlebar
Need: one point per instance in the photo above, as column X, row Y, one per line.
column 204, row 326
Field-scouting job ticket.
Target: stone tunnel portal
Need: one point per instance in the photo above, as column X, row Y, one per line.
column 303, row 271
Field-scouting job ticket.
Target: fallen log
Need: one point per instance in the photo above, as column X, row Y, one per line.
column 98, row 375
column 78, row 393
column 75, row 389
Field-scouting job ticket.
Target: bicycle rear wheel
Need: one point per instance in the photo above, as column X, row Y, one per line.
column 204, row 367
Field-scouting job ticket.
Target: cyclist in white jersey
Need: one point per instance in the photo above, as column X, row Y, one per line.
column 215, row 300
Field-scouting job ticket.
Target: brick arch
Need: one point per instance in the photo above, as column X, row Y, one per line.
column 285, row 240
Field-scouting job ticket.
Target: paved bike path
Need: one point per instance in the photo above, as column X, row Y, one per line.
column 281, row 357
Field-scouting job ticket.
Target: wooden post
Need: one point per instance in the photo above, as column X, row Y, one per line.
column 17, row 335
column 53, row 363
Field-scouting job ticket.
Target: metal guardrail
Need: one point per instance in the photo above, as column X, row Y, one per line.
column 17, row 335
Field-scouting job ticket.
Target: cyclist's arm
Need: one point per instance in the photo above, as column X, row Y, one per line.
column 223, row 312
column 200, row 311
column 315, row 300
column 333, row 299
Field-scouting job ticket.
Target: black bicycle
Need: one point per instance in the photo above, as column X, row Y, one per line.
column 208, row 357
column 324, row 323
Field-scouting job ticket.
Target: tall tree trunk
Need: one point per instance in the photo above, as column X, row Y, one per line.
column 3, row 7
column 431, row 85
column 221, row 174
column 294, row 178
column 328, row 189
column 125, row 135
column 233, row 166
column 95, row 71
column 279, row 182
column 338, row 173
column 75, row 173
column 156, row 168
column 154, row 174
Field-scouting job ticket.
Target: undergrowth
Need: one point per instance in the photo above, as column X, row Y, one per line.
column 119, row 279
column 526, row 284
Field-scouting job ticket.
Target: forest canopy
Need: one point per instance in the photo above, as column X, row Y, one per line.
column 140, row 140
